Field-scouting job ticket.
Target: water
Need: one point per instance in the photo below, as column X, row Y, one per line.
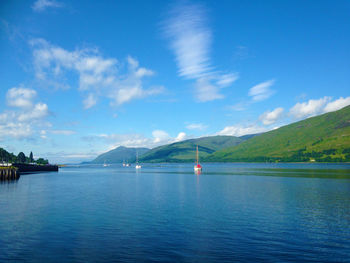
column 165, row 213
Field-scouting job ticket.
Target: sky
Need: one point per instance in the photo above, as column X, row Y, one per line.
column 79, row 78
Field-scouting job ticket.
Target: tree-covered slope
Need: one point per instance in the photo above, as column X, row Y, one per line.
column 5, row 156
column 185, row 151
column 120, row 154
column 324, row 138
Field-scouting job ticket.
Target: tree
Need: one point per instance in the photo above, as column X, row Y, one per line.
column 21, row 157
column 31, row 159
column 42, row 161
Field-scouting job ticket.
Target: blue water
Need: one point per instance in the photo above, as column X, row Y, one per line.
column 165, row 213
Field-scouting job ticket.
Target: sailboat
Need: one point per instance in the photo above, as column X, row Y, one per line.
column 197, row 167
column 104, row 164
column 137, row 166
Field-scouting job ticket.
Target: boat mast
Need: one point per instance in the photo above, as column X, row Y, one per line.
column 197, row 154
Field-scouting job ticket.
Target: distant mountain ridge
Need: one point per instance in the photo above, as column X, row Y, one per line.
column 119, row 154
column 184, row 151
column 324, row 138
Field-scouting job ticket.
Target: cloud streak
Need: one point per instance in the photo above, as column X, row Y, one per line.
column 196, row 126
column 261, row 91
column 190, row 40
column 42, row 5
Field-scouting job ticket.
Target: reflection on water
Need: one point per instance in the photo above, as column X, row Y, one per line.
column 230, row 212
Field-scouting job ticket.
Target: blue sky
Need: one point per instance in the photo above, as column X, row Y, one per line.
column 83, row 77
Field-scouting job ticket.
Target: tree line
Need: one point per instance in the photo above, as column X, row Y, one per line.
column 7, row 157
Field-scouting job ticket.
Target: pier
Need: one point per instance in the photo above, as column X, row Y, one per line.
column 9, row 173
column 34, row 168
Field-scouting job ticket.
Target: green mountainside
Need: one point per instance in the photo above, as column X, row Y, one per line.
column 324, row 138
column 185, row 151
column 120, row 154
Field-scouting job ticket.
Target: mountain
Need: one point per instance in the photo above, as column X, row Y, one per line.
column 185, row 151
column 120, row 154
column 324, row 138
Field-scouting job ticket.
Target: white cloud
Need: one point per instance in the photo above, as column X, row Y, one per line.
column 25, row 117
column 20, row 97
column 191, row 39
column 337, row 104
column 319, row 106
column 261, row 91
column 309, row 108
column 39, row 111
column 98, row 76
column 160, row 136
column 41, row 5
column 240, row 130
column 180, row 137
column 270, row 117
column 196, row 126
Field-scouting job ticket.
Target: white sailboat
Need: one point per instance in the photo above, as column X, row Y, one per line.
column 137, row 166
column 197, row 167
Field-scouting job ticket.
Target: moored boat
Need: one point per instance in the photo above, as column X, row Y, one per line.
column 197, row 167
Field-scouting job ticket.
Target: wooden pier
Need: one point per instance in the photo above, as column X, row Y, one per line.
column 9, row 173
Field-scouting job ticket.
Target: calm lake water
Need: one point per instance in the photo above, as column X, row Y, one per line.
column 165, row 213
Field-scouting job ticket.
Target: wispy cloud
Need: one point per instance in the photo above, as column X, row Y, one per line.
column 196, row 126
column 63, row 132
column 240, row 106
column 98, row 76
column 42, row 5
column 257, row 93
column 261, row 91
column 270, row 117
column 191, row 39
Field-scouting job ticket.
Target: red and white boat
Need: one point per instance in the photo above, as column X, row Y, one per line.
column 197, row 167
